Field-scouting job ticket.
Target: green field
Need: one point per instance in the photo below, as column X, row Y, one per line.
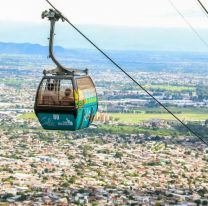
column 126, row 118
column 171, row 88
column 136, row 118
column 176, row 110
column 141, row 117
column 27, row 116
column 139, row 130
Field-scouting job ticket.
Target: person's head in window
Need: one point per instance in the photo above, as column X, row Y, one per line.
column 67, row 100
column 68, row 92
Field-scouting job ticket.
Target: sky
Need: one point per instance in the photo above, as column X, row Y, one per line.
column 112, row 24
column 148, row 13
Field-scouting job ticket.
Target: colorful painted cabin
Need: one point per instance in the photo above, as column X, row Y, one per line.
column 66, row 102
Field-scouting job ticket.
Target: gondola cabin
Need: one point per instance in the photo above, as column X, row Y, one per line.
column 66, row 98
column 66, row 102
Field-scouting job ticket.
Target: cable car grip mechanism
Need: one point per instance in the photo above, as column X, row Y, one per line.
column 54, row 16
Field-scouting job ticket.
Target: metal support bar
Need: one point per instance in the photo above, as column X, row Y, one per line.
column 51, row 44
column 54, row 16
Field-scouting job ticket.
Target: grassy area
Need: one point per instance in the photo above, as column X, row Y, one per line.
column 136, row 118
column 27, row 116
column 188, row 110
column 13, row 82
column 188, row 115
column 171, row 88
column 138, row 130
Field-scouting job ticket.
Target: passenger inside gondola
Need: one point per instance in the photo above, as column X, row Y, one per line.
column 50, row 97
column 67, row 100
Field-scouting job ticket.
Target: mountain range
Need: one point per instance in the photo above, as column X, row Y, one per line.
column 27, row 48
column 107, row 37
column 132, row 59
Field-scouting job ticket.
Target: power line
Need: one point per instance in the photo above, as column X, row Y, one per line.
column 188, row 23
column 203, row 7
column 128, row 75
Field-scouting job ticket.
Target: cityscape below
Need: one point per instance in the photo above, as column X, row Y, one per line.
column 135, row 153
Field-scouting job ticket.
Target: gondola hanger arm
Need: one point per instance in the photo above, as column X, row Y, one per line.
column 54, row 16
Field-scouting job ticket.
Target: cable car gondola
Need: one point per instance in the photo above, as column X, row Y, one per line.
column 66, row 98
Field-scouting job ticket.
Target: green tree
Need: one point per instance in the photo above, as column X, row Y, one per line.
column 202, row 92
column 119, row 155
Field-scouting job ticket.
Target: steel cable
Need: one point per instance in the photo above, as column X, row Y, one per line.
column 128, row 75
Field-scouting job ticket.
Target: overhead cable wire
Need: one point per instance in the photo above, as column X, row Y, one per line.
column 129, row 76
column 188, row 23
column 203, row 7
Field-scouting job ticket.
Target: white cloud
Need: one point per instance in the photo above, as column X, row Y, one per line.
column 158, row 13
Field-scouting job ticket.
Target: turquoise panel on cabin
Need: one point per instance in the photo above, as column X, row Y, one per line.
column 57, row 121
column 51, row 121
column 85, row 115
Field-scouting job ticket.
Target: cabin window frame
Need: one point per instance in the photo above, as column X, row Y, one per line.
column 56, row 107
column 93, row 86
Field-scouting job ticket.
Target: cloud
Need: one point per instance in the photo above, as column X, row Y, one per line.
column 148, row 13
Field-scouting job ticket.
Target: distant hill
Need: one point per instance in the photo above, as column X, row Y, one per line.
column 131, row 59
column 27, row 48
column 37, row 49
column 108, row 37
